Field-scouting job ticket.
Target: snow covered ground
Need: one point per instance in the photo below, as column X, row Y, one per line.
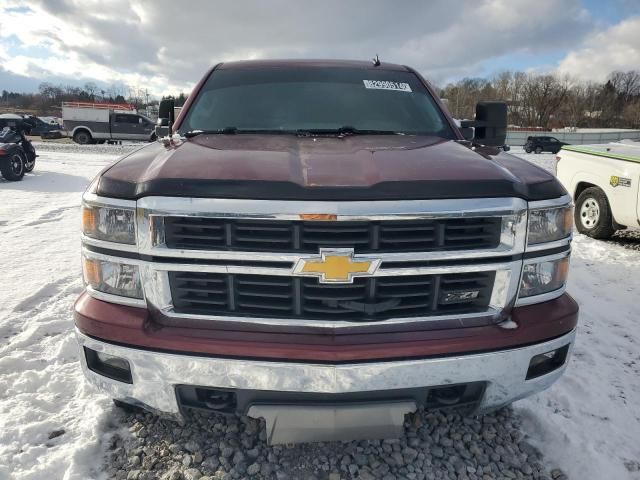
column 53, row 426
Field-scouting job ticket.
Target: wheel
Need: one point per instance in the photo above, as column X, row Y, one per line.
column 29, row 165
column 13, row 170
column 153, row 137
column 527, row 149
column 538, row 150
column 82, row 137
column 593, row 215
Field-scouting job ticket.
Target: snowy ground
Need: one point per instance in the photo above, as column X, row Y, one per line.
column 53, row 426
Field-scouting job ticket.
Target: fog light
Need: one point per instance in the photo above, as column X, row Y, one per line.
column 110, row 366
column 547, row 362
column 115, row 362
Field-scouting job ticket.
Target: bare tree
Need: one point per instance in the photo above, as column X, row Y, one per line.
column 91, row 89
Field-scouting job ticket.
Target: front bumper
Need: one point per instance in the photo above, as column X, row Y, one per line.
column 156, row 376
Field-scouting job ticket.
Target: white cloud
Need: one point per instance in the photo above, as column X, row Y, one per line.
column 165, row 46
column 616, row 48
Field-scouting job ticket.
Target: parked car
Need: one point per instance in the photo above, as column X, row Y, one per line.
column 44, row 129
column 603, row 181
column 96, row 122
column 37, row 126
column 319, row 245
column 541, row 144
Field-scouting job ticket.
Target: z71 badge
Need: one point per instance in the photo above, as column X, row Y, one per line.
column 616, row 181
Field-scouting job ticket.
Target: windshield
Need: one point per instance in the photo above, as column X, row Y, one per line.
column 284, row 100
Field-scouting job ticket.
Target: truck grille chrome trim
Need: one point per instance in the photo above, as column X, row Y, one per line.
column 221, row 218
column 364, row 236
column 551, row 203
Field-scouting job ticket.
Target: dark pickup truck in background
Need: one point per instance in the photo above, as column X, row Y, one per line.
column 319, row 245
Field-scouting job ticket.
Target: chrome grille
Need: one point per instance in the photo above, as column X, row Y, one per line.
column 423, row 235
column 367, row 299
column 230, row 260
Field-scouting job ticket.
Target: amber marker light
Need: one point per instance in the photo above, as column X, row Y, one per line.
column 319, row 217
column 91, row 270
column 562, row 271
column 88, row 220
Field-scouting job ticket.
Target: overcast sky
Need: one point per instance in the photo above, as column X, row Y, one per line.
column 166, row 46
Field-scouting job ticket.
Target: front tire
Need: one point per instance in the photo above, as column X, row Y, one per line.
column 593, row 215
column 13, row 170
column 82, row 137
column 29, row 165
column 527, row 149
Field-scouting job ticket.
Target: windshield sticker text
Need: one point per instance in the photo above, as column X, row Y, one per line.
column 387, row 85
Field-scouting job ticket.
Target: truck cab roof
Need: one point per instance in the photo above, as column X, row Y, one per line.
column 311, row 63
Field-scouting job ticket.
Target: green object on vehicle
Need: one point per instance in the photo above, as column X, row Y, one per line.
column 608, row 154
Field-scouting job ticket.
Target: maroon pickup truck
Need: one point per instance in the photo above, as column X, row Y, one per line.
column 320, row 245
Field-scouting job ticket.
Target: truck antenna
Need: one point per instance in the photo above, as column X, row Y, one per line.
column 376, row 61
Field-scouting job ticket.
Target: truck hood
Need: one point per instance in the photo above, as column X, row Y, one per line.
column 287, row 167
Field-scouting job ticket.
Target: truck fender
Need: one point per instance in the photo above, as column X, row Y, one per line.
column 588, row 178
column 81, row 127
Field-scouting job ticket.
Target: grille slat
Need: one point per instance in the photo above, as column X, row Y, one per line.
column 204, row 233
column 367, row 299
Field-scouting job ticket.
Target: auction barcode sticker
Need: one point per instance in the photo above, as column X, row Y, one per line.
column 387, row 85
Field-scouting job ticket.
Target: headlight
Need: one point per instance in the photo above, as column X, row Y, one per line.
column 543, row 277
column 549, row 224
column 112, row 277
column 111, row 224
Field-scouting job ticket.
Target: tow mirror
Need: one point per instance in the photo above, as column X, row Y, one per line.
column 166, row 117
column 490, row 124
column 165, row 111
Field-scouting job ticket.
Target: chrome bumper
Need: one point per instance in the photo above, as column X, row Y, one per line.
column 155, row 376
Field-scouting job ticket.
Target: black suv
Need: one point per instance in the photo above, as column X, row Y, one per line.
column 543, row 144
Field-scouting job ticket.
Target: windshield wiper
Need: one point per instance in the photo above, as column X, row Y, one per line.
column 235, row 130
column 343, row 131
column 301, row 132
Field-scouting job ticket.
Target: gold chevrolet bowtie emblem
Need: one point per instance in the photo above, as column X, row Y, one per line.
column 336, row 266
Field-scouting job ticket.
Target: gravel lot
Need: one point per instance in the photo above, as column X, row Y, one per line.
column 436, row 446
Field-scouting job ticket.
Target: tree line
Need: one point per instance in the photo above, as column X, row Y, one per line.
column 49, row 97
column 534, row 100
column 552, row 101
